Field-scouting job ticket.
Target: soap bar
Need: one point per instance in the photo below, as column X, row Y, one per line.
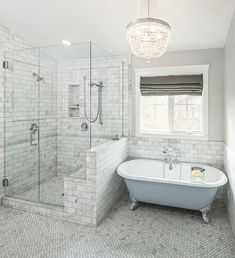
column 197, row 173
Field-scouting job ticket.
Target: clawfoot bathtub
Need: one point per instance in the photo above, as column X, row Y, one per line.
column 152, row 181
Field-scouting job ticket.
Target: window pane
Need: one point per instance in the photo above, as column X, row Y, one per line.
column 187, row 113
column 180, row 115
column 155, row 113
column 181, row 99
column 161, row 117
column 148, row 115
column 194, row 117
column 162, row 100
column 149, row 100
column 194, row 100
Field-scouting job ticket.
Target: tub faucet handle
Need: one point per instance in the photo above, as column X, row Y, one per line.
column 166, row 159
column 175, row 161
column 164, row 150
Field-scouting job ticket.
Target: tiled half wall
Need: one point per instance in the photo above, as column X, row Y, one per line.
column 86, row 200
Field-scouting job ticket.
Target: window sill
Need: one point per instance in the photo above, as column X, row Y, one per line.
column 172, row 136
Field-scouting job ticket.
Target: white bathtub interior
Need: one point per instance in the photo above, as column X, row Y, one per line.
column 158, row 171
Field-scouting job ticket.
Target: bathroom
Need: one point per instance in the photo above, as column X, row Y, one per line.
column 105, row 149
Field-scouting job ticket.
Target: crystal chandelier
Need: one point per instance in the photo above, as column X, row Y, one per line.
column 148, row 37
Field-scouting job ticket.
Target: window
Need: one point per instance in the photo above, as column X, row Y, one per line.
column 182, row 116
column 171, row 114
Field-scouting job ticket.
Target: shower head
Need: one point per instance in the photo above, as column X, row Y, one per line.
column 99, row 84
column 38, row 78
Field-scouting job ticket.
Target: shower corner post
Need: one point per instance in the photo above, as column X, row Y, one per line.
column 205, row 212
column 4, row 190
column 123, row 95
column 39, row 125
column 90, row 53
column 4, row 180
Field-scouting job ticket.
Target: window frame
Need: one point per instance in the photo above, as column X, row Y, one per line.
column 173, row 70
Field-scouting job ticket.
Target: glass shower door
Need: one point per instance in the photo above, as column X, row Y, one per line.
column 21, row 127
column 64, row 129
column 51, row 187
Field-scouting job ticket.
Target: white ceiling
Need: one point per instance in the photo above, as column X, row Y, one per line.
column 196, row 24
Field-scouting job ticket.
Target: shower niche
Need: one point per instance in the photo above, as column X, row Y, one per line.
column 73, row 100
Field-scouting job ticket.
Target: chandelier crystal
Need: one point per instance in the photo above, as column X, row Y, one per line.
column 148, row 37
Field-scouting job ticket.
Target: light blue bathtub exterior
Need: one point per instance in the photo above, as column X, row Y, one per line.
column 194, row 198
column 153, row 181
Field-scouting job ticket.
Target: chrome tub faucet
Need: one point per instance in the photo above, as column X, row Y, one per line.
column 171, row 156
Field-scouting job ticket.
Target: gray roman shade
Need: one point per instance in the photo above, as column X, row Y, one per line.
column 171, row 85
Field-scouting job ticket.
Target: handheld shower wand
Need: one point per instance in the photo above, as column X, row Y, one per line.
column 99, row 107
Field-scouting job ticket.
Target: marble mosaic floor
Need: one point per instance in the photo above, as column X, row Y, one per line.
column 50, row 192
column 149, row 231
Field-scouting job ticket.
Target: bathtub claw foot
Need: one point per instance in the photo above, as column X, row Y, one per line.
column 205, row 218
column 205, row 214
column 134, row 203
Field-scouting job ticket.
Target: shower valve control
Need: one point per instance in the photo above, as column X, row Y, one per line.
column 84, row 127
column 34, row 134
column 5, row 182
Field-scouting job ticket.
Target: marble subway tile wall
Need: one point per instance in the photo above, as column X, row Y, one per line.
column 109, row 185
column 206, row 152
column 126, row 84
column 71, row 157
column 108, row 70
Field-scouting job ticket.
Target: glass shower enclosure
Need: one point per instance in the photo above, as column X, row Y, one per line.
column 60, row 101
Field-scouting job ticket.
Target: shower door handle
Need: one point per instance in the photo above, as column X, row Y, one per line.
column 34, row 134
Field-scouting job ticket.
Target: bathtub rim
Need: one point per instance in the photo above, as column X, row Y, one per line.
column 222, row 181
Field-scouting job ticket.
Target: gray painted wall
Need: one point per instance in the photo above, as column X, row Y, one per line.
column 229, row 129
column 214, row 57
